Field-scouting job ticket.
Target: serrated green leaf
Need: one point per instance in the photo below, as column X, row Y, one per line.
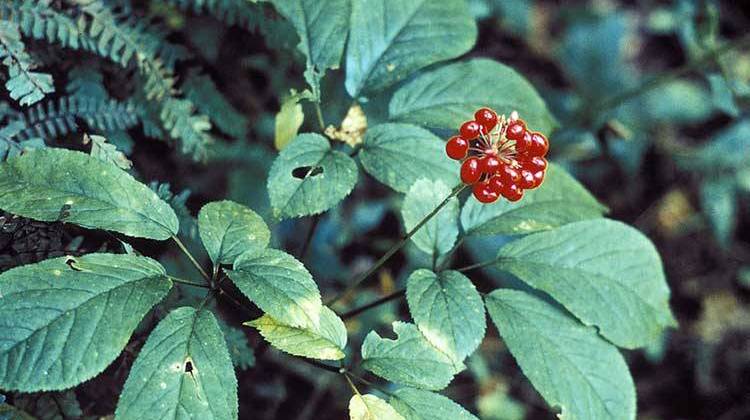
column 448, row 311
column 327, row 177
column 229, row 229
column 569, row 364
column 400, row 154
column 409, row 359
column 391, row 39
column 65, row 185
column 558, row 201
column 321, row 26
column 437, row 236
column 439, row 99
column 719, row 202
column 370, row 407
column 280, row 285
column 605, row 272
column 728, row 150
column 183, row 371
column 63, row 320
column 326, row 342
column 416, row 404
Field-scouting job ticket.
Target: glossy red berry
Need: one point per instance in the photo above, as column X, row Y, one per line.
column 496, row 184
column 487, row 118
column 457, row 148
column 539, row 145
column 515, row 130
column 524, row 144
column 538, row 178
column 527, row 179
column 509, row 175
column 470, row 171
column 484, row 193
column 512, row 192
column 470, row 130
column 489, row 164
column 534, row 164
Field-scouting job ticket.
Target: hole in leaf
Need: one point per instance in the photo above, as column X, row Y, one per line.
column 64, row 212
column 71, row 262
column 189, row 367
column 306, row 171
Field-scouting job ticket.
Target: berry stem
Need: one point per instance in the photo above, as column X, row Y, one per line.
column 353, row 285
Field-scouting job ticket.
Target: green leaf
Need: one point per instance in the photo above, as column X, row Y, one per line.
column 308, row 177
column 326, row 342
column 438, row 235
column 63, row 320
column 391, row 39
column 228, row 230
column 719, row 202
column 321, row 26
column 569, row 364
column 605, row 272
column 409, row 359
column 280, row 285
column 439, row 99
column 448, row 311
column 370, row 407
column 558, row 201
column 416, row 404
column 400, row 154
column 728, row 150
column 183, row 371
column 64, row 185
column 288, row 121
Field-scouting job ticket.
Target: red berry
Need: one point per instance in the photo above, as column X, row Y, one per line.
column 509, row 175
column 538, row 178
column 489, row 164
column 515, row 130
column 487, row 118
column 539, row 145
column 535, row 163
column 470, row 130
column 496, row 184
column 523, row 145
column 470, row 172
column 457, row 148
column 513, row 192
column 484, row 193
column 527, row 179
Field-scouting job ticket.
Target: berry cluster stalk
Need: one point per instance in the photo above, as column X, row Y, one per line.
column 395, row 248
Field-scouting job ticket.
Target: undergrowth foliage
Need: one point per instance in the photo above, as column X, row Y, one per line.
column 588, row 285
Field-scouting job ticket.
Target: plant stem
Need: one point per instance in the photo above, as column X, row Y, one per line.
column 320, row 365
column 189, row 283
column 479, row 265
column 190, row 257
column 395, row 248
column 308, row 239
column 385, row 299
column 618, row 99
column 319, row 113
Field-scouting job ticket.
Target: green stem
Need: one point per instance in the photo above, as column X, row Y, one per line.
column 618, row 99
column 395, row 248
column 319, row 114
column 308, row 239
column 189, row 283
column 479, row 265
column 385, row 299
column 191, row 258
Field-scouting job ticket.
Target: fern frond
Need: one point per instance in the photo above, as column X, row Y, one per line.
column 24, row 85
column 181, row 121
column 37, row 19
column 232, row 12
column 202, row 91
column 58, row 118
column 10, row 146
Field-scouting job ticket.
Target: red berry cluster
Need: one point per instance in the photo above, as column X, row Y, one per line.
column 500, row 156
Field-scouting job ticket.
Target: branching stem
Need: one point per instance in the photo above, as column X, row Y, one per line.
column 191, row 258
